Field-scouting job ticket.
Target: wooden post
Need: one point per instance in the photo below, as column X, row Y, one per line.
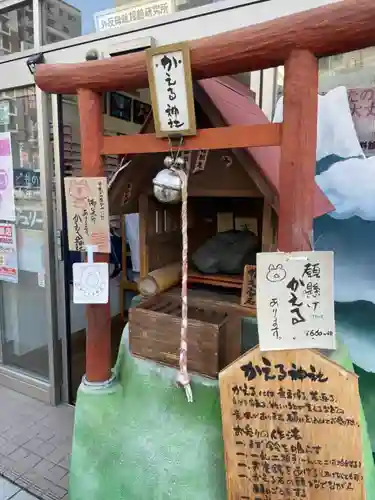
column 98, row 338
column 298, row 152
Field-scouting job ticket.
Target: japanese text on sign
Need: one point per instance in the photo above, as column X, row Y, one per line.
column 87, row 212
column 8, row 253
column 248, row 295
column 362, row 108
column 294, row 435
column 116, row 18
column 29, row 218
column 172, row 97
column 295, row 307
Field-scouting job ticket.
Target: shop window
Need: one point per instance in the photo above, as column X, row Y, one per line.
column 355, row 72
column 24, row 324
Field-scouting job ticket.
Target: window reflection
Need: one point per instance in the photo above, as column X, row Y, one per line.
column 67, row 20
column 16, row 29
column 24, row 322
column 61, row 21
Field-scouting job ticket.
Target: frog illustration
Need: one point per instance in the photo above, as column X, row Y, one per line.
column 276, row 273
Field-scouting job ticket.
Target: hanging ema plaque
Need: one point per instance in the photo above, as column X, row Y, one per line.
column 291, row 428
column 295, row 306
column 171, row 87
column 87, row 213
column 248, row 294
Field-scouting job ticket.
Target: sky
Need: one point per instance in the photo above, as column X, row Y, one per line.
column 88, row 9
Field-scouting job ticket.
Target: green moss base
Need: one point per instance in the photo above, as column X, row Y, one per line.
column 141, row 440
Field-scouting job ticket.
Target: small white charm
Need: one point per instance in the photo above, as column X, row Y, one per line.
column 90, row 283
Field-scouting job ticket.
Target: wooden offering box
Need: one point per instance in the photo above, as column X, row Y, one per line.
column 155, row 326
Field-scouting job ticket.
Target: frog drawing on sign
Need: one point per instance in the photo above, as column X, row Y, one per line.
column 276, row 273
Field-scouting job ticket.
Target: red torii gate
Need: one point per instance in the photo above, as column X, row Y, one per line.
column 296, row 41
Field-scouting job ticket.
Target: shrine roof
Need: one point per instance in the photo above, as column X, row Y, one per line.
column 225, row 102
column 234, row 102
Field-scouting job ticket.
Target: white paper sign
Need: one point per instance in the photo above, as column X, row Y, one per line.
column 295, row 306
column 172, row 95
column 122, row 16
column 87, row 213
column 7, row 207
column 42, row 280
column 8, row 253
column 90, row 283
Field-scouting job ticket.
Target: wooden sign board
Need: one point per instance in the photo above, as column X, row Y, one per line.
column 295, row 305
column 171, row 87
column 87, row 213
column 291, row 428
column 248, row 295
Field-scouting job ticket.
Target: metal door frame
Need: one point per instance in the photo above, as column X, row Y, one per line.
column 61, row 246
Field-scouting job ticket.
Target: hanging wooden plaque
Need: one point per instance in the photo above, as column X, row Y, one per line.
column 171, row 88
column 249, row 287
column 291, row 428
column 87, row 213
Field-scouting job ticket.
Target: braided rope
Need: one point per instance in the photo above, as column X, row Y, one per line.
column 183, row 377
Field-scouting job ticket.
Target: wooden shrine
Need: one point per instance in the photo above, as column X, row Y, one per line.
column 229, row 190
column 296, row 42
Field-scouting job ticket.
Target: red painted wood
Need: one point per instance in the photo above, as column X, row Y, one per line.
column 237, row 136
column 335, row 28
column 98, row 338
column 298, row 152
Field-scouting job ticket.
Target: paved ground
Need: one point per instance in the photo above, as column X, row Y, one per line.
column 35, row 445
column 11, row 491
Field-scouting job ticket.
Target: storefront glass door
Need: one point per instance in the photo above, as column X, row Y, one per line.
column 22, row 268
column 29, row 353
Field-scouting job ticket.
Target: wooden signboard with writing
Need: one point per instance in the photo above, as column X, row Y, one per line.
column 87, row 213
column 291, row 428
column 249, row 287
column 171, row 87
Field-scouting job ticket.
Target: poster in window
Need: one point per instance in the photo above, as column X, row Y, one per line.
column 8, row 253
column 7, row 206
column 362, row 108
column 120, row 106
